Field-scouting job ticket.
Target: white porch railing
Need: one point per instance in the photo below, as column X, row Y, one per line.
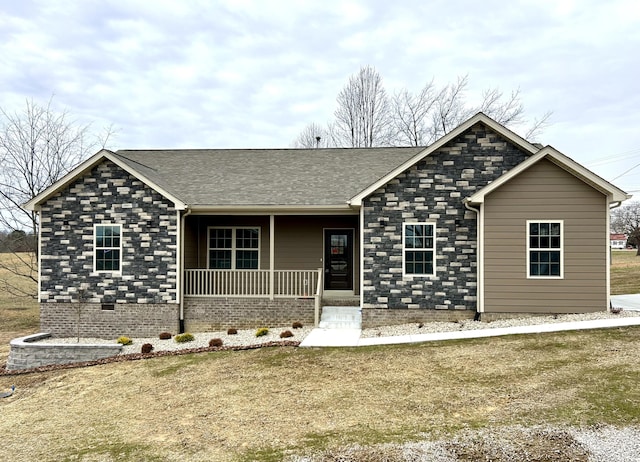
column 250, row 283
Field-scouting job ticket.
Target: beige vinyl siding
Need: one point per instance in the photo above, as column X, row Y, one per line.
column 545, row 192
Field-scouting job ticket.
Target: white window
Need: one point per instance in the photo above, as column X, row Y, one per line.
column 418, row 249
column 234, row 248
column 107, row 247
column 544, row 249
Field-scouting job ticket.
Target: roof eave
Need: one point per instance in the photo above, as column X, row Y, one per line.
column 479, row 117
column 614, row 193
column 266, row 209
column 87, row 165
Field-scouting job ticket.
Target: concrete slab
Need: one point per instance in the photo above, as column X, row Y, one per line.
column 320, row 337
column 630, row 302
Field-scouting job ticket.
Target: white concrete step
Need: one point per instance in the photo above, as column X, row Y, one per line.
column 341, row 317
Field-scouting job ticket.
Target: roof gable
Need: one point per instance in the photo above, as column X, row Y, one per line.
column 478, row 118
column 88, row 165
column 562, row 161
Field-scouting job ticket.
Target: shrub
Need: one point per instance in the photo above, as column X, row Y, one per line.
column 147, row 348
column 420, row 326
column 165, row 335
column 297, row 325
column 186, row 337
column 124, row 340
column 215, row 342
column 262, row 332
column 232, row 331
column 286, row 334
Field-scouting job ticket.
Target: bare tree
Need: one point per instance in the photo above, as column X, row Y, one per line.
column 451, row 110
column 38, row 146
column 362, row 118
column 314, row 136
column 366, row 117
column 626, row 219
column 505, row 112
column 412, row 116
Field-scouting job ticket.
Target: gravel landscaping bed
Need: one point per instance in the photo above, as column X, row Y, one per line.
column 247, row 337
column 434, row 327
column 506, row 444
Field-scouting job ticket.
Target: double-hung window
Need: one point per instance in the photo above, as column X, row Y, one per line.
column 418, row 250
column 107, row 247
column 234, row 248
column 544, row 249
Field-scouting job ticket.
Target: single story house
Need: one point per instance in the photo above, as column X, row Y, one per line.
column 481, row 223
column 618, row 241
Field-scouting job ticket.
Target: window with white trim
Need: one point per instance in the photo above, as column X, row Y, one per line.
column 107, row 247
column 544, row 249
column 418, row 249
column 234, row 248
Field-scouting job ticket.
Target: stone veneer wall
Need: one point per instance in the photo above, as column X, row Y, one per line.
column 212, row 313
column 107, row 195
column 431, row 191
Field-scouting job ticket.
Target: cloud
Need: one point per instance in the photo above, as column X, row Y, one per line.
column 246, row 73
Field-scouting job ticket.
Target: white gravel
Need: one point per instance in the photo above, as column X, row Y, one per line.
column 248, row 336
column 433, row 327
column 602, row 444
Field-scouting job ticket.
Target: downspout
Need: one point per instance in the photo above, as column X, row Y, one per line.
column 611, row 207
column 480, row 262
column 180, row 288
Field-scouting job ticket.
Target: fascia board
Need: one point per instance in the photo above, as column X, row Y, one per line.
column 562, row 161
column 179, row 205
column 88, row 165
column 273, row 209
column 479, row 117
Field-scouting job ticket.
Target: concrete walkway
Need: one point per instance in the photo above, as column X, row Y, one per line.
column 629, row 302
column 351, row 337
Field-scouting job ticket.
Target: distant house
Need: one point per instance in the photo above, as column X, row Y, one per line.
column 618, row 241
column 482, row 221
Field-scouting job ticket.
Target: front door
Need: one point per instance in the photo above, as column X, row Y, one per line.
column 338, row 259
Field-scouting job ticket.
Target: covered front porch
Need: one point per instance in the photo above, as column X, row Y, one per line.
column 275, row 268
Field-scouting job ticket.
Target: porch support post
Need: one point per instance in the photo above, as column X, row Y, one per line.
column 271, row 255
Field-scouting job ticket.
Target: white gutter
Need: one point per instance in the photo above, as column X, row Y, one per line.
column 273, row 209
column 480, row 256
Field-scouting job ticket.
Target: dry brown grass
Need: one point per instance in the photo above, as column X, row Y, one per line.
column 625, row 272
column 18, row 315
column 263, row 404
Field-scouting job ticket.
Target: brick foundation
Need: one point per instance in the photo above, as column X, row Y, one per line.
column 130, row 319
column 210, row 313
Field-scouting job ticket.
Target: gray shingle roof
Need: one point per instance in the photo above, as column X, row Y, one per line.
column 263, row 177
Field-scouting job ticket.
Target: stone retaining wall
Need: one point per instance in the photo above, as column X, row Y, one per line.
column 25, row 354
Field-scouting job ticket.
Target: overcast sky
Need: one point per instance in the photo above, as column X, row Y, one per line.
column 242, row 73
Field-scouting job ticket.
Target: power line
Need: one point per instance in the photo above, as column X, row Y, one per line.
column 614, row 157
column 626, row 171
